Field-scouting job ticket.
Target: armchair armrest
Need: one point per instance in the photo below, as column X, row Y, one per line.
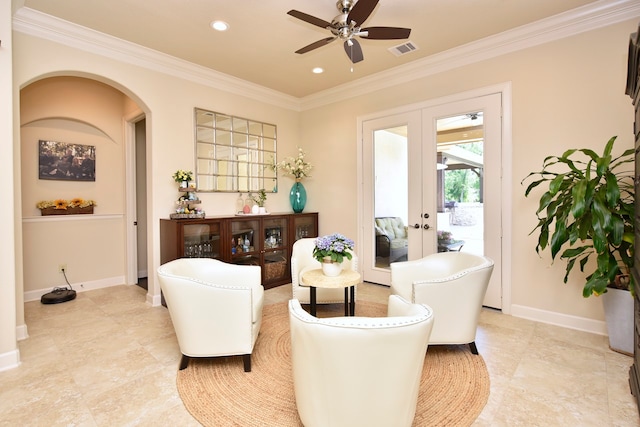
column 383, row 245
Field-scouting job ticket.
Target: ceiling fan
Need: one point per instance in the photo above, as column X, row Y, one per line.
column 347, row 25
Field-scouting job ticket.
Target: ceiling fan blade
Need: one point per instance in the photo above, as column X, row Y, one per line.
column 353, row 49
column 361, row 11
column 316, row 45
column 310, row 19
column 386, row 33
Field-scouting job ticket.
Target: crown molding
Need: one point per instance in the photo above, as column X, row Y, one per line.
column 38, row 24
column 586, row 18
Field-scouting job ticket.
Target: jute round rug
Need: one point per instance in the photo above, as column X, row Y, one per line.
column 217, row 392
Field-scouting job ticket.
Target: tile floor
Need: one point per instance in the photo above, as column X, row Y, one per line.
column 108, row 359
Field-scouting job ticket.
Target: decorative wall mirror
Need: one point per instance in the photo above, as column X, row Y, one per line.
column 234, row 154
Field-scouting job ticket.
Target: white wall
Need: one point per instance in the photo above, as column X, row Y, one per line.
column 9, row 287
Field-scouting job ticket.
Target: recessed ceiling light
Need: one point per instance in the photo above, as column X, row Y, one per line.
column 318, row 70
column 219, row 25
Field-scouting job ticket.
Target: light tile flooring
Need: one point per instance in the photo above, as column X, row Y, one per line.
column 109, row 359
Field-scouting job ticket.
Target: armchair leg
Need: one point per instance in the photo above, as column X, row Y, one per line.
column 246, row 358
column 472, row 346
column 184, row 362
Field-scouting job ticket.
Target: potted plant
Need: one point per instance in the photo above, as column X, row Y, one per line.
column 445, row 236
column 259, row 200
column 588, row 209
column 331, row 250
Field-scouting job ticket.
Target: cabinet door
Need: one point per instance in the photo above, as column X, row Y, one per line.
column 275, row 234
column 245, row 243
column 304, row 225
column 201, row 240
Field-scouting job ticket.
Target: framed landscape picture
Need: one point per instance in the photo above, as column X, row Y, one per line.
column 69, row 162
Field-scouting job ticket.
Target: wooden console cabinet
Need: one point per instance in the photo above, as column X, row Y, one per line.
column 633, row 90
column 264, row 240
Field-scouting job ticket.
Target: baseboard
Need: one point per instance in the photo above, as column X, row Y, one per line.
column 21, row 332
column 142, row 274
column 9, row 360
column 565, row 320
column 154, row 300
column 78, row 287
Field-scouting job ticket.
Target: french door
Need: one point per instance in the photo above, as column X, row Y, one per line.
column 432, row 183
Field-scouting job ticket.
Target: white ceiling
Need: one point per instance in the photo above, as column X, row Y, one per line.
column 260, row 45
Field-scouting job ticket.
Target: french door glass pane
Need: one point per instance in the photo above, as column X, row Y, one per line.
column 390, row 205
column 460, row 142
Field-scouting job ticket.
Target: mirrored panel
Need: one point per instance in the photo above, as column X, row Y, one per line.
column 234, row 154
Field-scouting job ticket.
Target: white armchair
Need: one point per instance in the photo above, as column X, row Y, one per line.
column 215, row 307
column 453, row 284
column 302, row 260
column 359, row 371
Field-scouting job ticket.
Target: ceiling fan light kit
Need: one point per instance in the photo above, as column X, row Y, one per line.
column 348, row 25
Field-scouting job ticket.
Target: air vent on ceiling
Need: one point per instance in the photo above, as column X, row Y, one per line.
column 403, row 48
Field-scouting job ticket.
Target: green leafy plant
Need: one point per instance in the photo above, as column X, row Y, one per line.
column 260, row 198
column 588, row 209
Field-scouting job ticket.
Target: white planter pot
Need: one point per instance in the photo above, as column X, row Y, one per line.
column 618, row 310
column 331, row 269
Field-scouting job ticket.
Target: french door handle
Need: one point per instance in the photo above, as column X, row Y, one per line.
column 416, row 226
column 426, row 215
column 426, row 226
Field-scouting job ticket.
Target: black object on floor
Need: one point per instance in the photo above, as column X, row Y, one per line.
column 58, row 295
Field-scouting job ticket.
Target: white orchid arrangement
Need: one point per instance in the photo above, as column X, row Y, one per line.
column 297, row 167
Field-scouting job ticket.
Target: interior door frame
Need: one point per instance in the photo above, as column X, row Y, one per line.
column 131, row 239
column 504, row 89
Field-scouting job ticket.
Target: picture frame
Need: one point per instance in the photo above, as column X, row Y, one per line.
column 65, row 161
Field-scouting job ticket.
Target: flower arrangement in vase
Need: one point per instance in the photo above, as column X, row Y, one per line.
column 298, row 168
column 183, row 177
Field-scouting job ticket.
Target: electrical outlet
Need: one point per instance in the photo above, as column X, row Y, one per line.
column 62, row 268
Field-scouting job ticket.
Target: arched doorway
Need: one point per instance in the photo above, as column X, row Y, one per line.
column 89, row 111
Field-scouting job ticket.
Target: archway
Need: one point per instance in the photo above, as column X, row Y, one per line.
column 87, row 110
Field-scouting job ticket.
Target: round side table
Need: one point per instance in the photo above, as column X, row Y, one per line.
column 348, row 279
